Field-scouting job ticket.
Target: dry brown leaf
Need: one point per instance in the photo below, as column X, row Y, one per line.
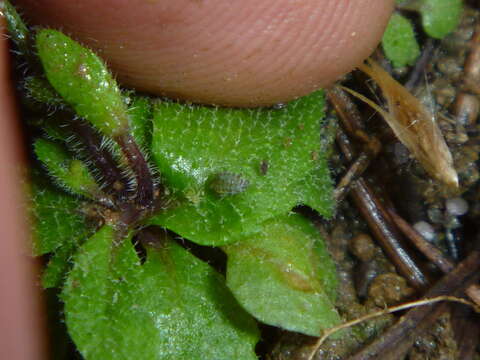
column 413, row 124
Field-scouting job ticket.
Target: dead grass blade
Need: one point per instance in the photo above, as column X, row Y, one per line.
column 413, row 124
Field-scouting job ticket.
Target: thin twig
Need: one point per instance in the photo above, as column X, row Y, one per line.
column 386, row 311
column 346, row 109
column 354, row 172
column 430, row 251
column 366, row 200
column 403, row 332
column 377, row 219
column 421, row 65
column 466, row 328
column 358, row 167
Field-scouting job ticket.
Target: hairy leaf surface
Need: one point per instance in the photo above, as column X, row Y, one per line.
column 56, row 219
column 58, row 227
column 71, row 174
column 440, row 17
column 269, row 160
column 284, row 276
column 83, row 80
column 16, row 27
column 399, row 42
column 174, row 306
column 140, row 120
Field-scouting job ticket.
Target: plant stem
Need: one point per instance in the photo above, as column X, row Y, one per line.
column 114, row 181
column 139, row 166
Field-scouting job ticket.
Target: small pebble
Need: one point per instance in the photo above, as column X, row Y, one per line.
column 450, row 66
column 473, row 291
column 436, row 215
column 362, row 247
column 466, row 109
column 389, row 289
column 457, row 206
column 425, row 229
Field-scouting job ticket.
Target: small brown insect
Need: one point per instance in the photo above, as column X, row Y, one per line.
column 264, row 167
column 412, row 123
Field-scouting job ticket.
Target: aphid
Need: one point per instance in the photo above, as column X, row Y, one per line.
column 413, row 124
column 227, row 183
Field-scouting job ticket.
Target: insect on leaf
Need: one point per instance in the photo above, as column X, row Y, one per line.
column 214, row 160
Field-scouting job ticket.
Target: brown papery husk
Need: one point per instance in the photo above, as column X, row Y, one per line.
column 413, row 124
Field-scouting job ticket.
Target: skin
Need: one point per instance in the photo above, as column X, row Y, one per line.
column 21, row 323
column 236, row 53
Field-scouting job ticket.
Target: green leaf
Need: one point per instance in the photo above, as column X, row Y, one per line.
column 440, row 17
column 174, row 306
column 83, row 80
column 284, row 276
column 40, row 90
column 140, row 121
column 58, row 227
column 71, row 174
column 269, row 159
column 17, row 29
column 56, row 219
column 399, row 43
column 58, row 266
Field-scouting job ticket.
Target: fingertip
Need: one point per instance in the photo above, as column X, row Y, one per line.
column 22, row 327
column 245, row 53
